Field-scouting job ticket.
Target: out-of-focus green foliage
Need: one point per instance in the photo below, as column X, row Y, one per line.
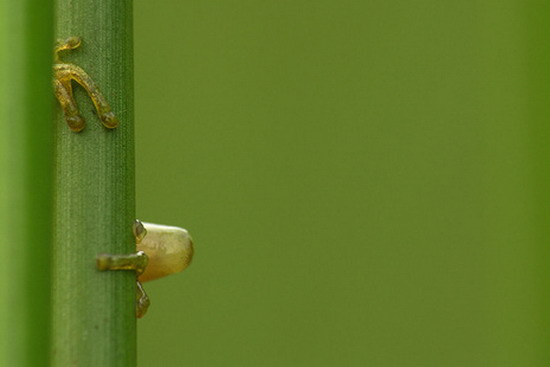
column 26, row 173
column 362, row 180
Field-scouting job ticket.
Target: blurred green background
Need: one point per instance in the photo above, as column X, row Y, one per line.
column 365, row 181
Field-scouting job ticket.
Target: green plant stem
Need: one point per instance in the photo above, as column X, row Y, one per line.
column 26, row 158
column 94, row 312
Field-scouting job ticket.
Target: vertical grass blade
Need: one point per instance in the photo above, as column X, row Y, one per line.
column 26, row 157
column 93, row 315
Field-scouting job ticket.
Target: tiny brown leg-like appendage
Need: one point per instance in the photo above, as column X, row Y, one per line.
column 64, row 74
column 136, row 261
